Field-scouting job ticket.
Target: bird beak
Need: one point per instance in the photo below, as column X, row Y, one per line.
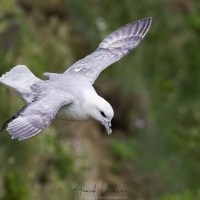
column 108, row 127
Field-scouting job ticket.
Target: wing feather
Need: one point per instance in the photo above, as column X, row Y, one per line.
column 111, row 49
column 38, row 115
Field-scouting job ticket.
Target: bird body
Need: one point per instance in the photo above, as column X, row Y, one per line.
column 70, row 96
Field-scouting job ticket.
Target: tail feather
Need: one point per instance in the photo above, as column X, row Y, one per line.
column 19, row 79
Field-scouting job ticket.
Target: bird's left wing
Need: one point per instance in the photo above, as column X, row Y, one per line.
column 111, row 49
column 38, row 115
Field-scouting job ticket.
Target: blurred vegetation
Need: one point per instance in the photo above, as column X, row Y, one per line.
column 155, row 92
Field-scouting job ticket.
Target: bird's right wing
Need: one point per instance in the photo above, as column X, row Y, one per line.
column 111, row 49
column 38, row 115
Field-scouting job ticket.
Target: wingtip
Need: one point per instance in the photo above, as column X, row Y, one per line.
column 150, row 20
column 147, row 18
column 144, row 19
column 146, row 24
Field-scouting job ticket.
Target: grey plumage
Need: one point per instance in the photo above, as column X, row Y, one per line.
column 38, row 114
column 70, row 95
column 111, row 49
column 19, row 80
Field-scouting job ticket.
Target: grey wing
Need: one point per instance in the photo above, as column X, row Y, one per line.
column 111, row 49
column 19, row 80
column 38, row 115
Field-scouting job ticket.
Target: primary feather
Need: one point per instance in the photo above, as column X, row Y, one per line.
column 111, row 49
column 38, row 115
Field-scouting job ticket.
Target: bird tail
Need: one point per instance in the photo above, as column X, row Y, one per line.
column 19, row 80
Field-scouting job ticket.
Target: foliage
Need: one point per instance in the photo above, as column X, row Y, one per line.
column 159, row 86
column 14, row 190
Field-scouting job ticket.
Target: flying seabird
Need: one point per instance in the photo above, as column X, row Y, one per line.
column 69, row 96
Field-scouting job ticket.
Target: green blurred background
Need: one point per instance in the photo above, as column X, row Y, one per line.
column 154, row 151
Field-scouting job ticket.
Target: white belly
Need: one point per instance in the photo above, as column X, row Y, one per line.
column 72, row 113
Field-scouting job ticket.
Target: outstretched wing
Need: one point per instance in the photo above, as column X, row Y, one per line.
column 38, row 115
column 111, row 49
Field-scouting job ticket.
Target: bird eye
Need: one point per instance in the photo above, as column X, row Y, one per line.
column 103, row 114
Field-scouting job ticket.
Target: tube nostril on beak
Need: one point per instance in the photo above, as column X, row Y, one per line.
column 108, row 127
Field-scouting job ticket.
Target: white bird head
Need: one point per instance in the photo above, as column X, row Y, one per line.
column 102, row 112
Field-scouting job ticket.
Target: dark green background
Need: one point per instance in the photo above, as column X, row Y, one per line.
column 154, row 151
